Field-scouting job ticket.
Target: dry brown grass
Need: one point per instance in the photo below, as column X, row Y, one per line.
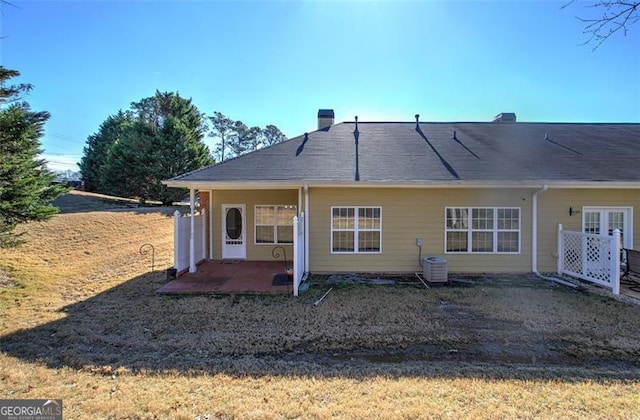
column 85, row 325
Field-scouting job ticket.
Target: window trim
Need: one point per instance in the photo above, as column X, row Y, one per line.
column 275, row 224
column 355, row 231
column 495, row 230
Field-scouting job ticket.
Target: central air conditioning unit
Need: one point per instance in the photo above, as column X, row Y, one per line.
column 434, row 269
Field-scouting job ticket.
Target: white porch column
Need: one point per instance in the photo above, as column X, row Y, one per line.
column 306, row 229
column 203, row 242
column 211, row 224
column 192, row 233
column 177, row 245
column 615, row 262
column 296, row 256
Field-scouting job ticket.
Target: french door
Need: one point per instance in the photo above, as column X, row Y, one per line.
column 603, row 221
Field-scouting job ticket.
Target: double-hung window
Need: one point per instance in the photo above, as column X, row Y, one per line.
column 274, row 224
column 482, row 230
column 356, row 230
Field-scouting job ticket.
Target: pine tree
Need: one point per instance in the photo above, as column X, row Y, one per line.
column 25, row 181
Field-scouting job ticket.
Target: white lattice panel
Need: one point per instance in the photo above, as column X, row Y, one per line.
column 587, row 256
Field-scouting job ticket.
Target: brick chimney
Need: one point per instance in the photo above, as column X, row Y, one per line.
column 325, row 118
column 505, row 117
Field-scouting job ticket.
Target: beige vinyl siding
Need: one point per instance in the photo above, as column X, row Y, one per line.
column 408, row 214
column 553, row 208
column 250, row 198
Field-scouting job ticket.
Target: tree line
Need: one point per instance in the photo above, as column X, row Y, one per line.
column 158, row 138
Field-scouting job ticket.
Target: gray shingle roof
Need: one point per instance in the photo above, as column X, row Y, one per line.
column 397, row 152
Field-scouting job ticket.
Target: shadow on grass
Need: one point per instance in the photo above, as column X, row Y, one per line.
column 357, row 331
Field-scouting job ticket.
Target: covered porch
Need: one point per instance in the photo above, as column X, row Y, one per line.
column 232, row 277
column 226, row 242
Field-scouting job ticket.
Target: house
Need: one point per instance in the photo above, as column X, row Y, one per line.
column 376, row 196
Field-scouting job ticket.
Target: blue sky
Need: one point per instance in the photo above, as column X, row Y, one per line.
column 279, row 62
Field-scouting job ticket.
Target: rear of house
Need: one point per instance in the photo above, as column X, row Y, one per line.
column 378, row 196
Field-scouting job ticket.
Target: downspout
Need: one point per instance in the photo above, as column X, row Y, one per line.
column 534, row 240
column 306, row 228
column 534, row 229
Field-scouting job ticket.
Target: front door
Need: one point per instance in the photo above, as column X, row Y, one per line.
column 233, row 232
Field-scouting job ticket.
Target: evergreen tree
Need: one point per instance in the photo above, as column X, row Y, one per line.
column 223, row 129
column 97, row 148
column 164, row 140
column 271, row 135
column 236, row 138
column 25, row 181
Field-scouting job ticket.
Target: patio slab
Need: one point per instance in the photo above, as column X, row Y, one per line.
column 226, row 277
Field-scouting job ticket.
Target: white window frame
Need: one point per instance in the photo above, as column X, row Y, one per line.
column 356, row 230
column 274, row 225
column 495, row 230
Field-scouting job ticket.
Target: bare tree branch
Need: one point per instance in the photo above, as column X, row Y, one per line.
column 617, row 16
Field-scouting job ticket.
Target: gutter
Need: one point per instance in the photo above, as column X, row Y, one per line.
column 418, row 184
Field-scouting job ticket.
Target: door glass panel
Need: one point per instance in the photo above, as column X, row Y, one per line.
column 234, row 223
column 616, row 221
column 592, row 222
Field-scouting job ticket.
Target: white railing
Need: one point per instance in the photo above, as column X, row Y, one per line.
column 182, row 241
column 594, row 258
column 298, row 252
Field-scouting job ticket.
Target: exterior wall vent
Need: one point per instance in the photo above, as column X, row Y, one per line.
column 505, row 117
column 325, row 118
column 434, row 269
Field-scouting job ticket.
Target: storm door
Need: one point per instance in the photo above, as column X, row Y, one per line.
column 233, row 232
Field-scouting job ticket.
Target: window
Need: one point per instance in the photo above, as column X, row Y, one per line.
column 274, row 224
column 482, row 230
column 356, row 230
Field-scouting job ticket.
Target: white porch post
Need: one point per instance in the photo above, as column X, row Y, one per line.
column 177, row 246
column 204, row 234
column 296, row 256
column 615, row 262
column 192, row 233
column 307, row 267
column 211, row 224
column 560, row 249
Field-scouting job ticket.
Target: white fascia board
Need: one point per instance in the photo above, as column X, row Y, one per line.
column 262, row 185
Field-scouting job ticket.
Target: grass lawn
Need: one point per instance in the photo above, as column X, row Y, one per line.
column 80, row 320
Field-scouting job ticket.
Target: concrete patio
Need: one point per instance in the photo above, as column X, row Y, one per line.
column 230, row 277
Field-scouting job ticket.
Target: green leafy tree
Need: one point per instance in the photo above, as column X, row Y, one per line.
column 165, row 140
column 236, row 138
column 243, row 139
column 25, row 182
column 222, row 128
column 97, row 149
column 271, row 135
